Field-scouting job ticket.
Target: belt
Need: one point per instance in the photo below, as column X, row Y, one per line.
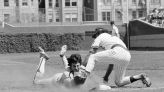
column 118, row 45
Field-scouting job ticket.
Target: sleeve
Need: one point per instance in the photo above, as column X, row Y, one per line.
column 96, row 42
column 65, row 62
column 116, row 30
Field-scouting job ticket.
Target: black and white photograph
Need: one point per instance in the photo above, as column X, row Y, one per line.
column 81, row 45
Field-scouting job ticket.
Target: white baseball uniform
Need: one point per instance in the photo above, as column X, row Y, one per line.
column 66, row 78
column 118, row 55
column 115, row 31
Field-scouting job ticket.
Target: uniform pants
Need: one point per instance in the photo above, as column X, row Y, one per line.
column 118, row 56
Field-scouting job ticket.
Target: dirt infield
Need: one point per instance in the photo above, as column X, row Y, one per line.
column 17, row 71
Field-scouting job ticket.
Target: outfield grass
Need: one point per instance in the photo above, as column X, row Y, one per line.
column 17, row 71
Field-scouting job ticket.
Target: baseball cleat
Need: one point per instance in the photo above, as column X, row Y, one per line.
column 146, row 80
column 105, row 80
column 42, row 53
column 63, row 50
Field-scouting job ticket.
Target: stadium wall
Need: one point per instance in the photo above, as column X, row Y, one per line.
column 145, row 36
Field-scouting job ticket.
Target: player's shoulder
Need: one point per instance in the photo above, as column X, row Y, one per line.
column 105, row 34
column 102, row 37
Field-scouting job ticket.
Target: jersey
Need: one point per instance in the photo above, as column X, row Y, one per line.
column 106, row 41
column 67, row 78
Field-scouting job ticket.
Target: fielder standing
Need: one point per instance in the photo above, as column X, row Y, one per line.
column 115, row 31
column 115, row 53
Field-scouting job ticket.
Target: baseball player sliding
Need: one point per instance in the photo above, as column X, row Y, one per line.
column 69, row 78
column 115, row 52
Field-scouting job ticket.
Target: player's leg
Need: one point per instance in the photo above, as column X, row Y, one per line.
column 102, row 56
column 108, row 72
column 39, row 80
column 123, row 59
column 143, row 77
column 41, row 67
column 122, row 80
column 51, row 80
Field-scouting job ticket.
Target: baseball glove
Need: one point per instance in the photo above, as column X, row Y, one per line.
column 80, row 77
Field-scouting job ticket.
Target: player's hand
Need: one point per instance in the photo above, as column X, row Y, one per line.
column 79, row 80
column 80, row 77
column 63, row 50
column 82, row 73
column 93, row 50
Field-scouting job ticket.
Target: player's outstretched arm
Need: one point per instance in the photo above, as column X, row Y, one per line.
column 63, row 57
column 65, row 62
